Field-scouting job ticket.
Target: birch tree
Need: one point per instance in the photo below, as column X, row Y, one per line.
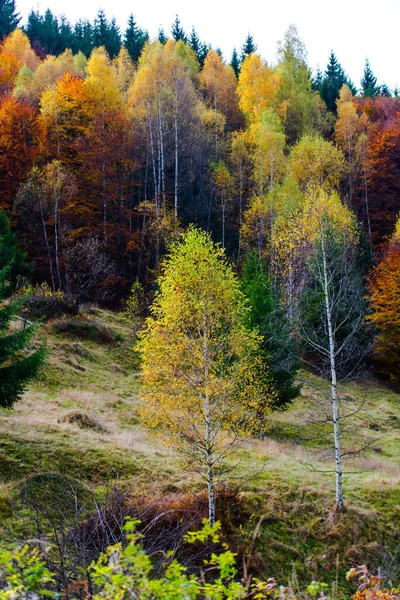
column 331, row 307
column 205, row 382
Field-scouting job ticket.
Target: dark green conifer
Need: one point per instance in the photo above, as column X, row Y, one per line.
column 177, row 30
column 34, row 26
column 235, row 62
column 106, row 34
column 368, row 82
column 269, row 318
column 162, row 38
column 248, row 47
column 134, row 38
column 11, row 254
column 18, row 363
column 384, row 90
column 333, row 81
column 9, row 18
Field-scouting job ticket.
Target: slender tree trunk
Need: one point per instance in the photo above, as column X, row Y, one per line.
column 56, row 205
column 223, row 219
column 334, row 394
column 176, row 159
column 46, row 239
column 208, row 430
column 366, row 202
column 240, row 210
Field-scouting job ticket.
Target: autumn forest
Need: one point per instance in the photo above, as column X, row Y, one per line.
column 206, row 252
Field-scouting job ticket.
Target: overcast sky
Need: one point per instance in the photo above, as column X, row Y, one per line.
column 354, row 29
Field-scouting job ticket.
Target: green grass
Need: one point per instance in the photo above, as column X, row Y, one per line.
column 287, row 477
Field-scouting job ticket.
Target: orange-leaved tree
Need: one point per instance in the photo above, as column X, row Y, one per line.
column 384, row 291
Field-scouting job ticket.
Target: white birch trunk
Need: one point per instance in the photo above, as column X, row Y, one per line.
column 334, row 394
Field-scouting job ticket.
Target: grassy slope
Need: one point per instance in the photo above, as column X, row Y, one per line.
column 282, row 476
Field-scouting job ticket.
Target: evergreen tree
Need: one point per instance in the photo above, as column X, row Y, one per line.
column 332, row 82
column 11, row 254
column 66, row 34
column 106, row 34
column 114, row 39
column 201, row 49
column 384, row 90
column 177, row 30
column 194, row 41
column 235, row 62
column 82, row 38
column 248, row 47
column 134, row 39
column 317, row 80
column 368, row 82
column 268, row 317
column 9, row 18
column 204, row 50
column 17, row 366
column 162, row 38
column 34, row 26
column 49, row 38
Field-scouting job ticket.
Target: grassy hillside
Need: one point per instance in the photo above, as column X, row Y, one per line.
column 81, row 420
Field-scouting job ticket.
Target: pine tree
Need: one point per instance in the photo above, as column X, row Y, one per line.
column 368, row 82
column 162, row 38
column 177, row 30
column 235, row 62
column 9, row 18
column 248, row 47
column 17, row 365
column 134, row 38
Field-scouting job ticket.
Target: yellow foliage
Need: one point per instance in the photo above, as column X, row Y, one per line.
column 17, row 44
column 258, row 86
column 204, row 379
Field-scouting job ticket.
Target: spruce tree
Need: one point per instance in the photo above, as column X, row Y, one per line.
column 177, row 30
column 11, row 254
column 248, row 47
column 50, row 38
column 267, row 315
column 384, row 90
column 34, row 26
column 134, row 38
column 204, row 50
column 368, row 82
column 106, row 34
column 17, row 364
column 66, row 34
column 333, row 81
column 9, row 18
column 194, row 41
column 114, row 39
column 162, row 38
column 317, row 80
column 235, row 62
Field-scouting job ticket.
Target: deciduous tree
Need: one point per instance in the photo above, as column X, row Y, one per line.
column 204, row 382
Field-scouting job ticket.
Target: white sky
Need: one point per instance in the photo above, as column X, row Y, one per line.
column 354, row 29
